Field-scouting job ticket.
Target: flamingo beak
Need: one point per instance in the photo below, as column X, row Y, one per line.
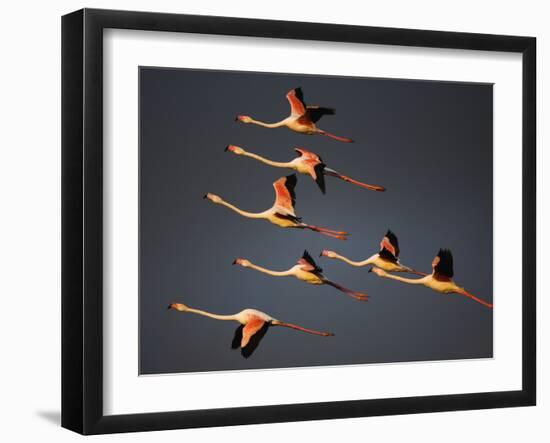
column 170, row 306
column 370, row 269
column 324, row 253
column 230, row 148
column 205, row 196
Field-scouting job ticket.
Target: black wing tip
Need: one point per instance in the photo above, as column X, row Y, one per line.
column 290, row 184
column 392, row 238
column 444, row 253
column 291, row 178
column 445, row 265
column 291, row 181
column 320, row 174
column 307, row 257
column 299, row 93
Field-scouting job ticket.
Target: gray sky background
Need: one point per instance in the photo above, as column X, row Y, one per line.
column 429, row 143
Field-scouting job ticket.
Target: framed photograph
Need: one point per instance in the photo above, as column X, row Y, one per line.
column 270, row 221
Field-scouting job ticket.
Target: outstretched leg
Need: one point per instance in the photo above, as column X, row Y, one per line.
column 412, row 271
column 357, row 295
column 347, row 179
column 473, row 297
column 335, row 137
column 340, row 235
column 299, row 328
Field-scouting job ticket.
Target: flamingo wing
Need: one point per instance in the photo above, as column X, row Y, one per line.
column 316, row 112
column 308, row 264
column 253, row 326
column 389, row 247
column 285, row 197
column 442, row 265
column 237, row 337
column 315, row 166
column 308, row 155
column 296, row 99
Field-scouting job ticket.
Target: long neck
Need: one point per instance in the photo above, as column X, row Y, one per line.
column 366, row 262
column 270, row 272
column 411, row 281
column 241, row 212
column 211, row 315
column 269, row 125
column 267, row 161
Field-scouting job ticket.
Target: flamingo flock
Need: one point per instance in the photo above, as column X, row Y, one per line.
column 253, row 324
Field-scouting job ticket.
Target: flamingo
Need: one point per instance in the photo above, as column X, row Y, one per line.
column 440, row 280
column 307, row 163
column 386, row 259
column 282, row 212
column 306, row 270
column 253, row 326
column 302, row 118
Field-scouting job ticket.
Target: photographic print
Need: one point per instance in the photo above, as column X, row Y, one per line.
column 291, row 220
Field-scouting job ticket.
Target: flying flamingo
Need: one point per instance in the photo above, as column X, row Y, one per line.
column 307, row 163
column 282, row 212
column 440, row 280
column 386, row 259
column 253, row 326
column 302, row 118
column 306, row 270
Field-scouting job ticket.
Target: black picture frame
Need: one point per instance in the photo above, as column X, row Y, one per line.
column 82, row 220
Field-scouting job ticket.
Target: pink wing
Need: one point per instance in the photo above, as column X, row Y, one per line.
column 310, row 159
column 253, row 326
column 308, row 155
column 385, row 243
column 305, row 265
column 284, row 188
column 297, row 106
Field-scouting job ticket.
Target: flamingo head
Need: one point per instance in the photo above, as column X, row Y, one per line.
column 241, row 262
column 213, row 198
column 378, row 271
column 178, row 307
column 243, row 119
column 329, row 254
column 235, row 149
